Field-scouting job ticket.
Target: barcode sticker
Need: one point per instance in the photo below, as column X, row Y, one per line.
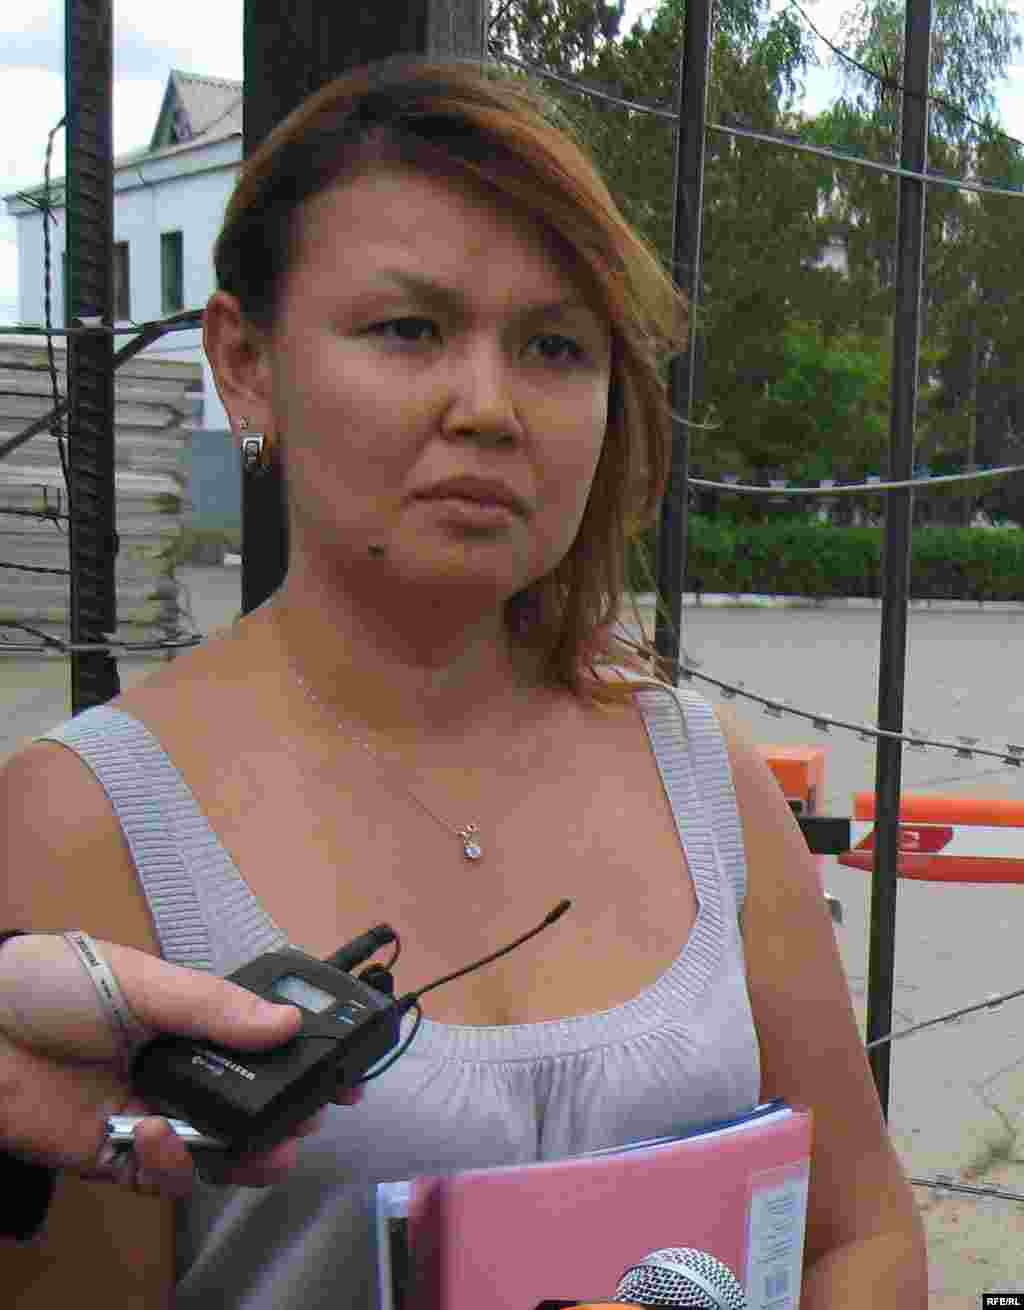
column 775, row 1250
column 776, row 1285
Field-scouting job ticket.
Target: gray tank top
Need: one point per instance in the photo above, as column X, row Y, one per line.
column 682, row 1053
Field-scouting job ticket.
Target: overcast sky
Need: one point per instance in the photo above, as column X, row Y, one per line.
column 199, row 36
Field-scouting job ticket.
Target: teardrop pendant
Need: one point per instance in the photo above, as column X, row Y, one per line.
column 473, row 850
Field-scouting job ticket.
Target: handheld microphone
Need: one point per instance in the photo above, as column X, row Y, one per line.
column 679, row 1276
column 684, row 1277
column 251, row 1100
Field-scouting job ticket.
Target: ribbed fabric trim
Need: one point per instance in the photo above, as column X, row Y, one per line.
column 711, row 764
column 709, row 757
column 183, row 868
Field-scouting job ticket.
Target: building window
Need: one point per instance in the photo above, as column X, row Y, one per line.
column 122, row 282
column 171, row 273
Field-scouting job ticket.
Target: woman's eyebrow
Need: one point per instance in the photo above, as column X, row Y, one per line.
column 448, row 298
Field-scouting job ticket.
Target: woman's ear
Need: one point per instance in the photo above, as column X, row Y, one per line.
column 238, row 357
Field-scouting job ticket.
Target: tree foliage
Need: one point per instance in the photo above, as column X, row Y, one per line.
column 794, row 328
column 973, row 42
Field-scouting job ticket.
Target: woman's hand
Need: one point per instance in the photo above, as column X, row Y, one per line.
column 61, row 1067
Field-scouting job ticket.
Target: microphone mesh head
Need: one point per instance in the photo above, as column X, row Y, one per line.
column 662, row 1279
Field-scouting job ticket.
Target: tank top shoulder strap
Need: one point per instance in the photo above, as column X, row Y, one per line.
column 204, row 913
column 680, row 718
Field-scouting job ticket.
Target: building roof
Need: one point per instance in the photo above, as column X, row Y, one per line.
column 195, row 111
column 195, row 106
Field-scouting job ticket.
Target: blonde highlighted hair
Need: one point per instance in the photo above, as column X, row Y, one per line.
column 473, row 122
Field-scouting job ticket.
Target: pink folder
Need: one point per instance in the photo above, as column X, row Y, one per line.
column 512, row 1237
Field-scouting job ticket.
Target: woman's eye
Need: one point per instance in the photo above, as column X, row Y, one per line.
column 380, row 329
column 575, row 348
column 409, row 331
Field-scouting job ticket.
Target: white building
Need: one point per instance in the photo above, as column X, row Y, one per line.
column 169, row 201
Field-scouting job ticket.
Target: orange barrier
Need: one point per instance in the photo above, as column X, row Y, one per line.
column 945, row 838
column 932, row 808
column 800, row 772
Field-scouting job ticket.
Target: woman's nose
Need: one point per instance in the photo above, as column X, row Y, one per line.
column 481, row 397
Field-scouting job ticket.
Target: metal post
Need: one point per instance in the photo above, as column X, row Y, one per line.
column 290, row 51
column 90, row 243
column 898, row 518
column 686, row 253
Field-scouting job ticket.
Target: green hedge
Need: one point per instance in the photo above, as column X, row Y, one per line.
column 792, row 557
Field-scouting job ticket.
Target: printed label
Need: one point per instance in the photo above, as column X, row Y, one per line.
column 775, row 1250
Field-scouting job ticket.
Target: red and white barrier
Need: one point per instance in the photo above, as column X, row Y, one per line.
column 945, row 838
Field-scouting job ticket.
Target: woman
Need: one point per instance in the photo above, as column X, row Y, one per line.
column 431, row 310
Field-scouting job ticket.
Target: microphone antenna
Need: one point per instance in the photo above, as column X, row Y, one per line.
column 549, row 919
column 411, row 1001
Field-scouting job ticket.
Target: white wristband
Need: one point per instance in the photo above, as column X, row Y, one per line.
column 115, row 1007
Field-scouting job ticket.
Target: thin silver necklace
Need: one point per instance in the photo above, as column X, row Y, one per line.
column 468, row 834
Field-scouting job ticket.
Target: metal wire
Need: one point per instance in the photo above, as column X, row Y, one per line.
column 167, row 324
column 789, row 141
column 891, row 85
column 947, row 1185
column 49, row 643
column 858, row 488
column 148, row 333
column 56, row 426
column 965, row 747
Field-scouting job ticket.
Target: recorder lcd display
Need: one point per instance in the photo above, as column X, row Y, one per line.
column 292, row 988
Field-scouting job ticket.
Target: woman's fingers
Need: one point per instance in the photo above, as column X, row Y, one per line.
column 168, row 1169
column 48, row 1002
column 170, row 998
column 163, row 1165
column 160, row 1165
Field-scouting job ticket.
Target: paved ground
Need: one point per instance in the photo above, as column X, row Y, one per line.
column 958, row 1090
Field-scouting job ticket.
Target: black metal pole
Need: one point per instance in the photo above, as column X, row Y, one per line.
column 90, row 244
column 686, row 252
column 898, row 527
column 289, row 52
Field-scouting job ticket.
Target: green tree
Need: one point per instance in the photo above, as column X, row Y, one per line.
column 973, row 42
column 841, row 393
column 979, row 409
column 560, row 35
column 762, row 234
column 965, row 395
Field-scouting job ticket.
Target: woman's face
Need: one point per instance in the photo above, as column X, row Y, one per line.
column 383, row 387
